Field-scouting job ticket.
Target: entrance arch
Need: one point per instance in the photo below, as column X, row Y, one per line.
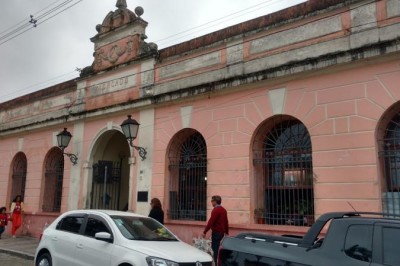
column 109, row 185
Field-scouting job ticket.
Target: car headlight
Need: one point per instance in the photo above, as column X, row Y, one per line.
column 152, row 261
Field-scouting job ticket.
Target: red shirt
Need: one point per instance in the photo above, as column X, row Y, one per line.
column 218, row 221
column 3, row 219
column 17, row 208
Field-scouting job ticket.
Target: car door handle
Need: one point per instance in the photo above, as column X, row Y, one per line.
column 79, row 245
column 54, row 238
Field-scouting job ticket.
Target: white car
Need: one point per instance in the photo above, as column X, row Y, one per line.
column 101, row 237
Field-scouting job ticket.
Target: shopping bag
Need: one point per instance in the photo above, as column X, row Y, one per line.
column 203, row 244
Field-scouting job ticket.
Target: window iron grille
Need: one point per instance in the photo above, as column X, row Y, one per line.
column 285, row 161
column 19, row 176
column 54, row 176
column 390, row 155
column 188, row 180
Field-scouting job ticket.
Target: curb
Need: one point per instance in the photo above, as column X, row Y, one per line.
column 18, row 254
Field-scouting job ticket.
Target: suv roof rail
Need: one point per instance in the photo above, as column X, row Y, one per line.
column 334, row 215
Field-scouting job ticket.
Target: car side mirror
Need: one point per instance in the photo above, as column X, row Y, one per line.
column 104, row 236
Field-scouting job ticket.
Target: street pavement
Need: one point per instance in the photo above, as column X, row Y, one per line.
column 18, row 251
column 12, row 260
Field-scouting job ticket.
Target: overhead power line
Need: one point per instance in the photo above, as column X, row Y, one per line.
column 36, row 19
column 44, row 14
column 322, row 18
column 35, row 87
column 24, row 21
column 215, row 22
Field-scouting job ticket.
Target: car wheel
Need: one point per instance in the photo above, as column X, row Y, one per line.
column 44, row 260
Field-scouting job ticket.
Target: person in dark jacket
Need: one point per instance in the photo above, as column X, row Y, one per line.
column 218, row 223
column 156, row 211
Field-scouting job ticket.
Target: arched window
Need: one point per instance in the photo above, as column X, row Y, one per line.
column 19, row 167
column 391, row 166
column 53, row 177
column 283, row 162
column 188, row 177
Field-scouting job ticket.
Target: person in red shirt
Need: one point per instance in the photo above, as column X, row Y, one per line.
column 218, row 223
column 3, row 220
column 17, row 208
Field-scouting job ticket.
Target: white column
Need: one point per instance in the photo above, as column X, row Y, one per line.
column 75, row 174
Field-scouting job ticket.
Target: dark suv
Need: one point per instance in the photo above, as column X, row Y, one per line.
column 351, row 239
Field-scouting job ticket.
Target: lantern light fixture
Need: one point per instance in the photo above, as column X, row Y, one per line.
column 63, row 139
column 130, row 127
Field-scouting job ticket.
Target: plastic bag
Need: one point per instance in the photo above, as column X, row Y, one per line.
column 203, row 244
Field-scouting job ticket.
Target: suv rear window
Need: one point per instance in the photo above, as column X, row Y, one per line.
column 358, row 243
column 70, row 224
column 391, row 248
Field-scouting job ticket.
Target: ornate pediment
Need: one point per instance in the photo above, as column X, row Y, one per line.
column 120, row 38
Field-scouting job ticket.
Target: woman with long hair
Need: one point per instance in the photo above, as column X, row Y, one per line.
column 156, row 211
column 16, row 210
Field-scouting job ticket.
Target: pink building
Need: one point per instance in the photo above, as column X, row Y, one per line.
column 286, row 116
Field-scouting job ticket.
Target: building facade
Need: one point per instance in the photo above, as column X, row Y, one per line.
column 286, row 116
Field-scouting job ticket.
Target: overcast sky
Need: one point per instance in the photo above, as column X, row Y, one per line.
column 34, row 58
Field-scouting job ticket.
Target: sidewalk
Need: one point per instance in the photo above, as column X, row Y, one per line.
column 22, row 246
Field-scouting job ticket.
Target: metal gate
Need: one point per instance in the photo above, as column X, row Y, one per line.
column 106, row 185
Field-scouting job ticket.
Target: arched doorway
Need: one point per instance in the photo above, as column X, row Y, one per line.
column 19, row 167
column 109, row 188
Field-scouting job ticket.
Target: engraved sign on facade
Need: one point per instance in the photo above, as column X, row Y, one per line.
column 116, row 84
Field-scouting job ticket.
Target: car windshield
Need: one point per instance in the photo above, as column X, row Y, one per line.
column 142, row 228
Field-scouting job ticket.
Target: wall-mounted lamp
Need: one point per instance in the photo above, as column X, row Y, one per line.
column 63, row 139
column 130, row 127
